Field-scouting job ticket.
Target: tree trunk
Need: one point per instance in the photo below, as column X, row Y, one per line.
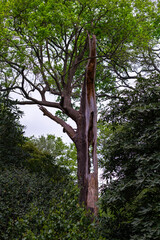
column 86, row 139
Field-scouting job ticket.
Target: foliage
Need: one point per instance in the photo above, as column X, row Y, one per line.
column 46, row 42
column 131, row 156
column 11, row 132
column 64, row 155
column 40, row 161
column 65, row 220
column 40, row 201
column 28, row 176
column 19, row 190
column 37, row 182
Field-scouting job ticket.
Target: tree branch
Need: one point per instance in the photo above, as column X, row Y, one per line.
column 40, row 103
column 67, row 128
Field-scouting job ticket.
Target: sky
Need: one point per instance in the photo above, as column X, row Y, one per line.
column 37, row 124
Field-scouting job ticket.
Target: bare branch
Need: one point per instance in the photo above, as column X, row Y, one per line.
column 34, row 101
column 67, row 128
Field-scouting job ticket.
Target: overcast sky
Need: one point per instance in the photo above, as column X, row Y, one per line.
column 37, row 124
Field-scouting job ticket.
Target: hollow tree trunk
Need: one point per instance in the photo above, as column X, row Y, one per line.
column 86, row 139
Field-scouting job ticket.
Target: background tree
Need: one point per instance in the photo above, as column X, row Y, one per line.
column 50, row 47
column 11, row 133
column 63, row 154
column 130, row 156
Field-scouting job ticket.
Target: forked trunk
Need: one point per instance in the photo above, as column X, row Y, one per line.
column 86, row 139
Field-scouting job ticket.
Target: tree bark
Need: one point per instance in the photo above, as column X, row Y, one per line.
column 86, row 139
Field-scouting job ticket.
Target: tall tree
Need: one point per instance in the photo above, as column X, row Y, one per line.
column 52, row 47
column 131, row 156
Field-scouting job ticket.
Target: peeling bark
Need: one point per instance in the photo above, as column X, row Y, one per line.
column 86, row 140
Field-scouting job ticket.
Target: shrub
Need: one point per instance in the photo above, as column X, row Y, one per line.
column 65, row 220
column 19, row 190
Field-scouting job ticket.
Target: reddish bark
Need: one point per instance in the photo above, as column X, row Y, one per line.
column 86, row 139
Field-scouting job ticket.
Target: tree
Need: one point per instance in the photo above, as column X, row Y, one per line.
column 50, row 47
column 63, row 154
column 130, row 156
column 11, row 133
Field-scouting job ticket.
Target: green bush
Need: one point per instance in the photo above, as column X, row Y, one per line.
column 19, row 190
column 65, row 220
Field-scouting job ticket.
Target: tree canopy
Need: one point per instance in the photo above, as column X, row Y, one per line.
column 44, row 45
column 63, row 154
